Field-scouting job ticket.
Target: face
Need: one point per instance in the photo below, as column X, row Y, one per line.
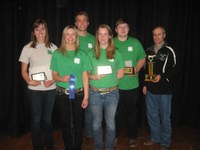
column 70, row 36
column 81, row 22
column 40, row 33
column 103, row 36
column 158, row 35
column 122, row 29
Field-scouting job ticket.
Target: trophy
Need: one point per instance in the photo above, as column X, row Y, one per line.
column 129, row 71
column 150, row 76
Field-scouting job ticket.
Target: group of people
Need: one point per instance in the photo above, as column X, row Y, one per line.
column 95, row 78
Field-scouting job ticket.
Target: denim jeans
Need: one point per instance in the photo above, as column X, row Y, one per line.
column 88, row 121
column 41, row 106
column 104, row 105
column 158, row 115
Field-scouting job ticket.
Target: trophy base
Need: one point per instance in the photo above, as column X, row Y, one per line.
column 129, row 71
column 149, row 78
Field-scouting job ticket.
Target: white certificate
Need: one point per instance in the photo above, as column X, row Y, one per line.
column 104, row 70
column 41, row 76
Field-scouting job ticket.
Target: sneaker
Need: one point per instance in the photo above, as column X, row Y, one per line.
column 163, row 148
column 132, row 143
column 148, row 143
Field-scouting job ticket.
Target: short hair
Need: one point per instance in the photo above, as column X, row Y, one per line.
column 121, row 21
column 161, row 27
column 84, row 13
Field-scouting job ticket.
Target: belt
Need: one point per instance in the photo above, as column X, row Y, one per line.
column 103, row 90
column 61, row 90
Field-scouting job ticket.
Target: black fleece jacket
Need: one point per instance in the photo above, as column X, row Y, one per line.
column 164, row 65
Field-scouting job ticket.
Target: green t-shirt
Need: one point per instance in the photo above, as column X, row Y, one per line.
column 111, row 79
column 87, row 42
column 132, row 51
column 69, row 64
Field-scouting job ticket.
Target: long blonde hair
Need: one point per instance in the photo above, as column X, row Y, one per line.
column 110, row 50
column 62, row 47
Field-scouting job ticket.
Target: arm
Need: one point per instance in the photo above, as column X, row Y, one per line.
column 96, row 76
column 144, row 90
column 120, row 73
column 25, row 75
column 139, row 65
column 48, row 83
column 58, row 78
column 173, row 66
column 86, row 89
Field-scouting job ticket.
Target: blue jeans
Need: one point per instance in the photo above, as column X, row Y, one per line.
column 88, row 121
column 41, row 106
column 106, row 105
column 158, row 115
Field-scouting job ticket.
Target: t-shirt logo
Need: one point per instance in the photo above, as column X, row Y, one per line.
column 49, row 51
column 162, row 57
column 77, row 60
column 130, row 48
column 111, row 60
column 89, row 45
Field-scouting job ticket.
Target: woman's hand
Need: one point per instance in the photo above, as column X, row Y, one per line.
column 84, row 103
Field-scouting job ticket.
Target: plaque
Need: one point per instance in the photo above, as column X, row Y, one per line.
column 40, row 76
column 129, row 71
column 150, row 76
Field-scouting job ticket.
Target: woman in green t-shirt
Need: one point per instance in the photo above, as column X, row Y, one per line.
column 107, row 69
column 70, row 71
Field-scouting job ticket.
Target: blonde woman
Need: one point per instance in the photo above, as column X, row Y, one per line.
column 70, row 71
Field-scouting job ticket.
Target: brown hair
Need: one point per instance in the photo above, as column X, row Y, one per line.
column 121, row 21
column 80, row 13
column 35, row 25
column 111, row 48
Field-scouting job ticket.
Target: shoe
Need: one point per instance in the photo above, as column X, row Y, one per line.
column 164, row 148
column 115, row 143
column 132, row 143
column 89, row 140
column 148, row 143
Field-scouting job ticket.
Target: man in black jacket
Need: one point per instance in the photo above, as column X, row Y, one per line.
column 159, row 72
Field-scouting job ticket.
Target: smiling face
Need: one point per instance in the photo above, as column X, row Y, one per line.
column 70, row 36
column 40, row 33
column 82, row 22
column 122, row 30
column 103, row 37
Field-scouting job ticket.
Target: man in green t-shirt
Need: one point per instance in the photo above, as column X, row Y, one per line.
column 86, row 41
column 134, row 58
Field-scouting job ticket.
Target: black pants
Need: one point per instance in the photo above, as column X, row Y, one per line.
column 71, row 120
column 127, row 109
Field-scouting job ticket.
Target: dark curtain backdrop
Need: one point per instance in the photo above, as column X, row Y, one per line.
column 180, row 18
